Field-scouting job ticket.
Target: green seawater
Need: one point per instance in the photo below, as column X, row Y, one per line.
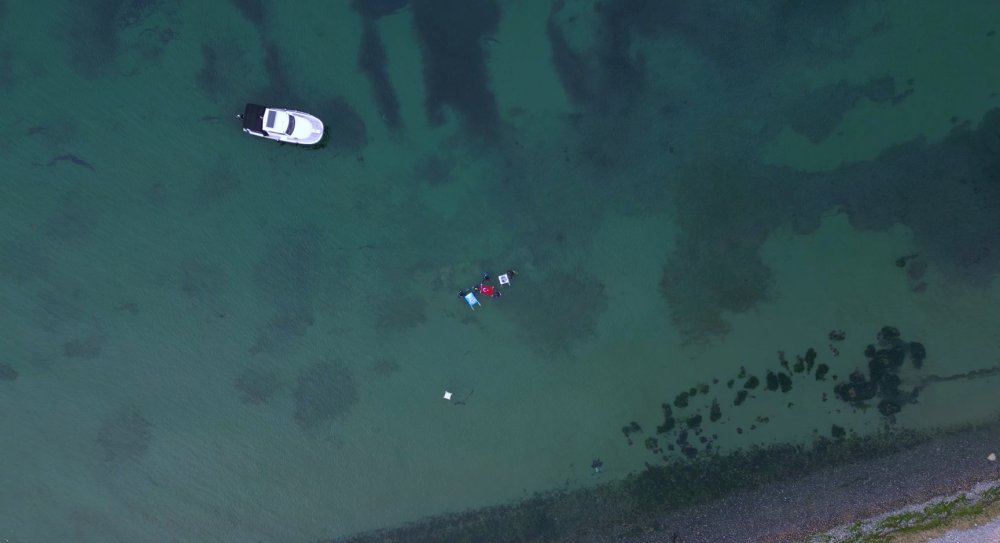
column 206, row 336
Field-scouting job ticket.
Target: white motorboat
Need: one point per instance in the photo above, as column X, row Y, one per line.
column 285, row 125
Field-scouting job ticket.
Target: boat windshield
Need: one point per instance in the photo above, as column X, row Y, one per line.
column 291, row 125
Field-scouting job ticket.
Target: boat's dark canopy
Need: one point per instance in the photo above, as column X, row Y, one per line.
column 253, row 118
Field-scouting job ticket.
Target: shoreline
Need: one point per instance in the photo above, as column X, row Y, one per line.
column 898, row 472
column 840, row 495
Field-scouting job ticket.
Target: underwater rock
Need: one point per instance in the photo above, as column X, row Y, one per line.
column 810, row 359
column 751, row 383
column 821, row 372
column 857, row 390
column 917, row 354
column 730, row 383
column 742, row 374
column 652, row 444
column 800, row 365
column 668, row 420
column 870, row 351
column 782, row 360
column 878, row 368
column 888, row 407
column 740, row 397
column 896, row 353
column 772, row 381
column 837, row 432
column 681, row 400
column 631, row 428
column 785, row 381
column 694, row 421
column 715, row 413
column 901, row 261
column 702, row 389
column 887, row 334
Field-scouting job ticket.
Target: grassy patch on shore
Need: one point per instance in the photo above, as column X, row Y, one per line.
column 934, row 517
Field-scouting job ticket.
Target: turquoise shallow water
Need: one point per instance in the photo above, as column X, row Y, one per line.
column 210, row 337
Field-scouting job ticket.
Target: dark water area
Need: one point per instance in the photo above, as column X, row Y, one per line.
column 751, row 248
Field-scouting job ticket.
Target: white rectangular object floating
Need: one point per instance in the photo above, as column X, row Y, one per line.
column 447, row 395
column 504, row 279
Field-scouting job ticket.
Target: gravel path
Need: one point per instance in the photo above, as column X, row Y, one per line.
column 980, row 534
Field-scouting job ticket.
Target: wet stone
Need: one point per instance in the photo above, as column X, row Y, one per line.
column 751, row 383
column 741, row 396
column 681, row 400
column 694, row 422
column 821, row 372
